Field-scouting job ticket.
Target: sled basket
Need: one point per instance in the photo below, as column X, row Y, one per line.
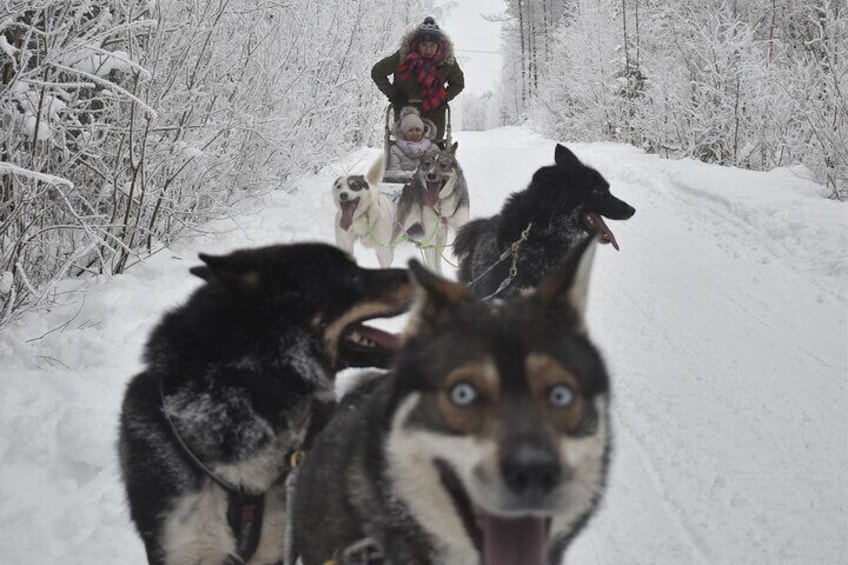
column 397, row 176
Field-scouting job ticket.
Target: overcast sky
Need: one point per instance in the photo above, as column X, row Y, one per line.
column 477, row 41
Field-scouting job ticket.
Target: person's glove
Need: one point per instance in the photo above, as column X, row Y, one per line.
column 399, row 100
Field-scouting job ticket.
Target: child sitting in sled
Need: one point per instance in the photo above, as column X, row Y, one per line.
column 413, row 137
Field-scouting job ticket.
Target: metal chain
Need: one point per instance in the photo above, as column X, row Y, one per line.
column 516, row 247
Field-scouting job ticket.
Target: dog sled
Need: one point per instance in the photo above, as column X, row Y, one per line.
column 395, row 178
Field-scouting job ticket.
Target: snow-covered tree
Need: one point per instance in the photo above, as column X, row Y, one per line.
column 124, row 123
column 752, row 83
column 480, row 112
column 529, row 27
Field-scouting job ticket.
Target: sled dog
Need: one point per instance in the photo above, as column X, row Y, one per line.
column 537, row 227
column 236, row 381
column 435, row 199
column 488, row 443
column 364, row 213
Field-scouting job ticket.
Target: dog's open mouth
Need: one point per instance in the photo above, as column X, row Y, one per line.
column 434, row 188
column 500, row 540
column 348, row 208
column 595, row 224
column 367, row 338
column 362, row 345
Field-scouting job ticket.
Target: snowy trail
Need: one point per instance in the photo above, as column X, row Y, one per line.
column 727, row 404
column 722, row 318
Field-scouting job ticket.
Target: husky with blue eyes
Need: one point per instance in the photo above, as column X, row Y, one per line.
column 488, row 442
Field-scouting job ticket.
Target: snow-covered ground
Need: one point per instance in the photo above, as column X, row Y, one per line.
column 723, row 320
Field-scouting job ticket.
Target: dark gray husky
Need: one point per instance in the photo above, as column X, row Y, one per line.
column 487, row 444
column 542, row 223
column 237, row 380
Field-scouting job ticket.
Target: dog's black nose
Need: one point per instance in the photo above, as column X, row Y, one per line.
column 531, row 469
column 343, row 196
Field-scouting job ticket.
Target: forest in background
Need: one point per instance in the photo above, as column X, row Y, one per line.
column 125, row 124
column 748, row 83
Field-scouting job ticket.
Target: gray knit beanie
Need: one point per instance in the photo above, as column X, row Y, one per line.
column 429, row 31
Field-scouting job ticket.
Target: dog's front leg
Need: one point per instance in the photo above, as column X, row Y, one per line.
column 431, row 257
column 344, row 239
column 440, row 241
column 385, row 254
column 459, row 219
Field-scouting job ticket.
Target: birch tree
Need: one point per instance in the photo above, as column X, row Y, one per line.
column 529, row 29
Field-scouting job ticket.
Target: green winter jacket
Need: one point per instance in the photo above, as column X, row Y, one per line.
column 449, row 70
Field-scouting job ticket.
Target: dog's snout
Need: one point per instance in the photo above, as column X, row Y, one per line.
column 343, row 196
column 618, row 209
column 531, row 469
column 431, row 175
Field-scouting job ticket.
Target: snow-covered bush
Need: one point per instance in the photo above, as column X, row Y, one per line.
column 125, row 123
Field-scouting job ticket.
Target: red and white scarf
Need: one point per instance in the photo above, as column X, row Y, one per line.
column 426, row 73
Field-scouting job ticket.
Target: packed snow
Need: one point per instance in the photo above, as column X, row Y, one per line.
column 722, row 319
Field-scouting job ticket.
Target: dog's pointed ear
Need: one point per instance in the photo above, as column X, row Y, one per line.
column 228, row 270
column 201, row 271
column 566, row 289
column 563, row 157
column 375, row 174
column 436, row 299
column 452, row 149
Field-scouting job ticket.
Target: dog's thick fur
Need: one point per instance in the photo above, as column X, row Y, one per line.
column 563, row 202
column 244, row 372
column 487, row 444
column 364, row 213
column 435, row 199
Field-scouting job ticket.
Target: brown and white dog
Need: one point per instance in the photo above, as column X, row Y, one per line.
column 364, row 213
column 487, row 444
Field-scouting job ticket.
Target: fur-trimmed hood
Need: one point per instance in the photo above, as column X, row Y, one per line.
column 408, row 39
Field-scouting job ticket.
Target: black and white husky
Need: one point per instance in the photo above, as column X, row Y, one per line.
column 537, row 227
column 435, row 199
column 237, row 380
column 364, row 213
column 487, row 444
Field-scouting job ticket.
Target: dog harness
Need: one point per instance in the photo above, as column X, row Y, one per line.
column 245, row 511
column 362, row 552
column 512, row 251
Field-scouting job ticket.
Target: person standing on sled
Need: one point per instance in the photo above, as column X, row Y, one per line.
column 426, row 74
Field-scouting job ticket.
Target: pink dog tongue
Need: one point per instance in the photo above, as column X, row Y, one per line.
column 514, row 541
column 597, row 223
column 348, row 208
column 433, row 190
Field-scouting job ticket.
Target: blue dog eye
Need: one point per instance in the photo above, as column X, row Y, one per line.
column 561, row 396
column 463, row 394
